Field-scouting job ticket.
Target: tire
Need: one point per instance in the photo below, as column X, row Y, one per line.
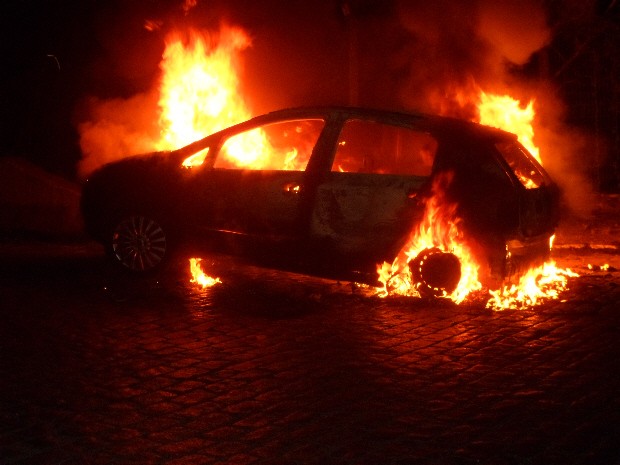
column 435, row 272
column 139, row 244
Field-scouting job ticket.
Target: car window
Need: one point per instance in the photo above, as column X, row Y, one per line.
column 522, row 164
column 372, row 147
column 285, row 145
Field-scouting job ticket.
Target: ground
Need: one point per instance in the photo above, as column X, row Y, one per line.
column 275, row 368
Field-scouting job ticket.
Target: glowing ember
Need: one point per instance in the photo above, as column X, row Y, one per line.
column 604, row 267
column 199, row 276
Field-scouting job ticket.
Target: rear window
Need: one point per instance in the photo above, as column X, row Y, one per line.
column 524, row 166
column 372, row 147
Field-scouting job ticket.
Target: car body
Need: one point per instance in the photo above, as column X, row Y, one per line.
column 327, row 191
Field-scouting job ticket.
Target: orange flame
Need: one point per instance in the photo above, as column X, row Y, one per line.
column 536, row 286
column 438, row 229
column 505, row 112
column 199, row 276
column 199, row 92
column 200, row 95
column 546, row 281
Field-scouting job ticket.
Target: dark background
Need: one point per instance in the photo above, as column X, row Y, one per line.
column 56, row 54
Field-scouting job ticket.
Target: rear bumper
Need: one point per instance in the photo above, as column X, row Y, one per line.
column 525, row 253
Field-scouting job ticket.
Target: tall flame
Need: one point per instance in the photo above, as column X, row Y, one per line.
column 505, row 112
column 199, row 91
column 200, row 95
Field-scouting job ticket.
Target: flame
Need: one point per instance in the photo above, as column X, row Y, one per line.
column 199, row 92
column 536, row 286
column 199, row 277
column 505, row 112
column 547, row 281
column 440, row 226
column 439, row 229
column 199, row 95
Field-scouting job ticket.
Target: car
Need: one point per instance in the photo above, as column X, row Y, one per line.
column 327, row 191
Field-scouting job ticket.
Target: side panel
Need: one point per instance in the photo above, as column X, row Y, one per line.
column 365, row 217
column 249, row 202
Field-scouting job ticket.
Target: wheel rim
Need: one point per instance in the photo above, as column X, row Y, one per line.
column 436, row 272
column 139, row 243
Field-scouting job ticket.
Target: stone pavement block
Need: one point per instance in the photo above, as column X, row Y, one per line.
column 168, row 377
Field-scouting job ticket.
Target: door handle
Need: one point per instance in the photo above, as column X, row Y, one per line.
column 412, row 194
column 292, row 188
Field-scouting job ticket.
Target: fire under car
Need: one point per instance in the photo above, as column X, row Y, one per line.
column 330, row 192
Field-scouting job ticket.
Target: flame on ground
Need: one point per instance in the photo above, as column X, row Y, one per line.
column 198, row 275
column 536, row 286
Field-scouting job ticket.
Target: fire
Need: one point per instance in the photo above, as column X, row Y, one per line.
column 537, row 285
column 547, row 281
column 199, row 276
column 199, row 92
column 505, row 112
column 439, row 230
column 199, row 95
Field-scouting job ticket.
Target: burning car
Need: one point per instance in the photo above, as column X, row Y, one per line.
column 332, row 192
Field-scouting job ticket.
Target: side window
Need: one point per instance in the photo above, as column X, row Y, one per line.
column 371, row 147
column 522, row 164
column 285, row 145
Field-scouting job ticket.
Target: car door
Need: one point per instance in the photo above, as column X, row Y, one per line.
column 255, row 185
column 368, row 202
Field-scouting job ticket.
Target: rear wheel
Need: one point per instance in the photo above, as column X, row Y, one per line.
column 437, row 273
column 139, row 244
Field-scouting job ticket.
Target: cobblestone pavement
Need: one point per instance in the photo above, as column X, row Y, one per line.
column 272, row 368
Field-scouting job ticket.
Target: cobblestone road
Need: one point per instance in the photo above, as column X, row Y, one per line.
column 277, row 369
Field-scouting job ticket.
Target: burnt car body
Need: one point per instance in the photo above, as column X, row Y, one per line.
column 340, row 192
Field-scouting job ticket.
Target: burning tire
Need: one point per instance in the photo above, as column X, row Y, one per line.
column 436, row 273
column 139, row 244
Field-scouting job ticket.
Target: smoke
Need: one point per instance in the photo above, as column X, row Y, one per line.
column 567, row 152
column 408, row 54
column 117, row 128
column 456, row 46
column 457, row 49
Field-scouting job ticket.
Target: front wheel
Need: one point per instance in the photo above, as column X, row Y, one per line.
column 139, row 244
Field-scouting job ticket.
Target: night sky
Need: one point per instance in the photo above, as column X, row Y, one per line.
column 58, row 54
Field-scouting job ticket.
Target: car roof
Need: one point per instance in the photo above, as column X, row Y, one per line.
column 427, row 121
column 434, row 124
